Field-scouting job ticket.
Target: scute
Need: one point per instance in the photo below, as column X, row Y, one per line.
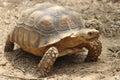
column 65, row 23
column 45, row 23
column 25, row 14
column 34, row 39
column 21, row 34
column 31, row 19
column 78, row 18
column 51, row 22
column 55, row 9
column 25, row 37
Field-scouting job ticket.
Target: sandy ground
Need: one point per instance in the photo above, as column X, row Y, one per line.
column 103, row 15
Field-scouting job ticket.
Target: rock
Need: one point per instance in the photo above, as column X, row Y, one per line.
column 6, row 21
column 3, row 63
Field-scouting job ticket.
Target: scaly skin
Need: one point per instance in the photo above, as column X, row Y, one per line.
column 48, row 61
column 95, row 48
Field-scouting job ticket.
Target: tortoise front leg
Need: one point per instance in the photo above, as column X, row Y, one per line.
column 47, row 61
column 94, row 50
column 9, row 45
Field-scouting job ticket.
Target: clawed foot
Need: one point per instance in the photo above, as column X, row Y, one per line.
column 47, row 61
column 95, row 48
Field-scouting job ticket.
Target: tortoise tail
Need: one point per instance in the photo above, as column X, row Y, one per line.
column 9, row 45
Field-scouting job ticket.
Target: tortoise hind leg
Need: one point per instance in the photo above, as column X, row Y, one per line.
column 47, row 61
column 94, row 51
column 8, row 46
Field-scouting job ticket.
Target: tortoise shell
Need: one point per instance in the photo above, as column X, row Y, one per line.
column 46, row 24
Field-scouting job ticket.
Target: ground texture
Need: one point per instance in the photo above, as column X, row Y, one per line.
column 103, row 15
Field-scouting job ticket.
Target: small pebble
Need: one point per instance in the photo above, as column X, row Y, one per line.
column 3, row 63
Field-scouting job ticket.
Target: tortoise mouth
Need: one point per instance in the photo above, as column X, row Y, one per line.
column 93, row 38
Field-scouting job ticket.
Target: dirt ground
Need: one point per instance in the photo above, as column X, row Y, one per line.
column 103, row 15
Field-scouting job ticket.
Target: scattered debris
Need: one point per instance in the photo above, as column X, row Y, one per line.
column 117, row 77
column 115, row 50
column 3, row 63
column 21, row 78
column 6, row 22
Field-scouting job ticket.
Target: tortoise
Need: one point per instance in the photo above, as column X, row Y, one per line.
column 51, row 31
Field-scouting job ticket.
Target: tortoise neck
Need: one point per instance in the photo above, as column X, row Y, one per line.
column 69, row 42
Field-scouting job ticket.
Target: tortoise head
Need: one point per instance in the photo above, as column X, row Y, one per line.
column 87, row 35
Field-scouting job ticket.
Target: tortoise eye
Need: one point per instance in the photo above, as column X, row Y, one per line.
column 90, row 33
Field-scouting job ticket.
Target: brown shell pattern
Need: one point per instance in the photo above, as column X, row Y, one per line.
column 47, row 23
